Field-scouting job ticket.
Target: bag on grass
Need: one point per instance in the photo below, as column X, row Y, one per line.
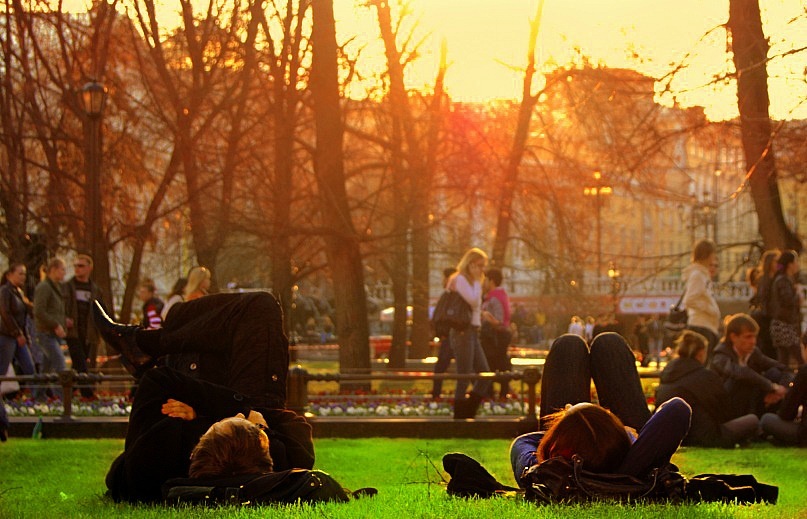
column 557, row 480
column 469, row 478
column 451, row 311
column 288, row 486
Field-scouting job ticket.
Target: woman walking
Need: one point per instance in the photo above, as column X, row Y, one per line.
column 470, row 357
column 703, row 314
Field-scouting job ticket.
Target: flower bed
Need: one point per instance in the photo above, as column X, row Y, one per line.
column 102, row 405
column 388, row 407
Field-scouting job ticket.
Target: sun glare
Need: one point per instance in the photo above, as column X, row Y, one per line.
column 487, row 45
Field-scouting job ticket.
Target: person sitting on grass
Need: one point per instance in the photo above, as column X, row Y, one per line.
column 713, row 424
column 754, row 381
column 785, row 426
column 603, row 436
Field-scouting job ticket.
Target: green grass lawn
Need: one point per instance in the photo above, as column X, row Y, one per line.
column 65, row 478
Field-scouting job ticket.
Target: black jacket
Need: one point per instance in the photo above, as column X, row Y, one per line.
column 703, row 391
column 784, row 304
column 726, row 363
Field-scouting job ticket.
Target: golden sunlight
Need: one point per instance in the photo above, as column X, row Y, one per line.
column 487, row 45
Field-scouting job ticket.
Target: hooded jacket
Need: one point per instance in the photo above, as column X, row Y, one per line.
column 701, row 306
column 703, row 391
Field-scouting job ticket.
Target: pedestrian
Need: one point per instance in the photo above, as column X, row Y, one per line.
column 445, row 353
column 50, row 321
column 495, row 335
column 152, row 305
column 785, row 309
column 467, row 282
column 82, row 338
column 703, row 314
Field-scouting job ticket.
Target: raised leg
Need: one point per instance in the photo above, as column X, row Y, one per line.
column 566, row 376
column 613, row 368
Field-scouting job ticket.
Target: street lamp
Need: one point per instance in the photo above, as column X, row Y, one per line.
column 93, row 97
column 614, row 275
column 598, row 190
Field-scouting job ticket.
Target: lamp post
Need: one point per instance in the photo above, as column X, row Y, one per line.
column 93, row 97
column 614, row 275
column 598, row 190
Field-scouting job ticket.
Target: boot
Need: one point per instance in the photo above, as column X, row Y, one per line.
column 122, row 338
column 467, row 407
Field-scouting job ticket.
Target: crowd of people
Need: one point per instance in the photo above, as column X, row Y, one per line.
column 39, row 319
column 212, row 369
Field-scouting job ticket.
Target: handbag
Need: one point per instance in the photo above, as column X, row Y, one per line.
column 558, row 480
column 677, row 318
column 451, row 311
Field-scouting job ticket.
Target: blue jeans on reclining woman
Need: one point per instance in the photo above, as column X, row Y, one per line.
column 568, row 371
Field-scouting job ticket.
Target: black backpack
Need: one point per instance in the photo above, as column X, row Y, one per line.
column 288, row 486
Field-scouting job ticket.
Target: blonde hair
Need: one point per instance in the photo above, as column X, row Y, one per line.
column 195, row 278
column 469, row 257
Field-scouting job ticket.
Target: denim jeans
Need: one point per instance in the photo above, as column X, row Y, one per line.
column 783, row 431
column 24, row 360
column 470, row 359
column 8, row 346
column 568, row 372
column 570, row 368
column 444, row 356
column 53, row 358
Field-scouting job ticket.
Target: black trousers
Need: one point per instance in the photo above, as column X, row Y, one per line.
column 570, row 367
column 235, row 340
column 158, row 447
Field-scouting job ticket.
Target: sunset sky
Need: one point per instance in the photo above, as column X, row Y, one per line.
column 486, row 38
column 487, row 44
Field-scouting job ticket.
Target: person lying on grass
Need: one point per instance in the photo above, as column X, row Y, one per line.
column 603, row 436
column 181, row 427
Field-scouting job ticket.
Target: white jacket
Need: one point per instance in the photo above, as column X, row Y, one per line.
column 701, row 306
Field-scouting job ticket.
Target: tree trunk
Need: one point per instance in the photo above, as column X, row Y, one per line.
column 750, row 48
column 341, row 242
column 422, row 332
column 510, row 179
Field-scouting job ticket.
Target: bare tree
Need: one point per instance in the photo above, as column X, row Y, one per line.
column 750, row 54
column 508, row 186
column 341, row 243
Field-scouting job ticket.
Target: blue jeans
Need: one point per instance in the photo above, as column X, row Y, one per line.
column 570, row 368
column 470, row 359
column 53, row 358
column 444, row 356
column 8, row 345
column 567, row 375
column 24, row 360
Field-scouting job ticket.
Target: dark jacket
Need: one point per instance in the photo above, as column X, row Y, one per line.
column 48, row 306
column 12, row 311
column 726, row 363
column 71, row 310
column 703, row 391
column 784, row 304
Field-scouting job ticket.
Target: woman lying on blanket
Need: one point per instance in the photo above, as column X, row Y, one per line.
column 604, row 436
